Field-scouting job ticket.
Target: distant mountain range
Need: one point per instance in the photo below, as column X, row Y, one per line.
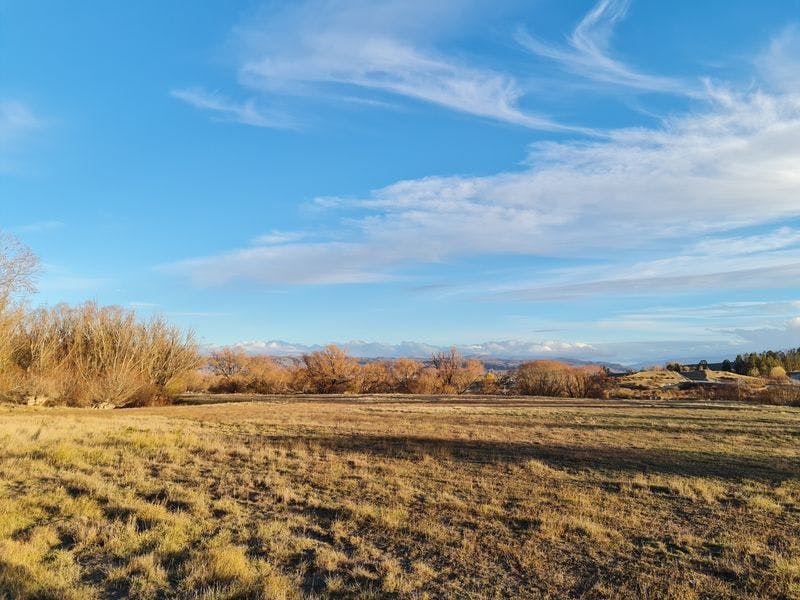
column 496, row 355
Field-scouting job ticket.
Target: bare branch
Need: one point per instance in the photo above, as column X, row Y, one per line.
column 18, row 266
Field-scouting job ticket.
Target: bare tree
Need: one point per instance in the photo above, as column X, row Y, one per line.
column 18, row 267
column 227, row 362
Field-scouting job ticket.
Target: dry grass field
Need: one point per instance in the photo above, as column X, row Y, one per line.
column 401, row 497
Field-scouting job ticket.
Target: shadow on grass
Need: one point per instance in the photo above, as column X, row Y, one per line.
column 16, row 581
column 702, row 428
column 478, row 400
column 731, row 466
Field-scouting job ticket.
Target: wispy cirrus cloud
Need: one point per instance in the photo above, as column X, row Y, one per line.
column 759, row 278
column 768, row 338
column 384, row 64
column 371, row 53
column 276, row 237
column 650, row 190
column 222, row 108
column 313, row 263
column 625, row 209
column 588, row 53
column 749, row 261
column 780, row 62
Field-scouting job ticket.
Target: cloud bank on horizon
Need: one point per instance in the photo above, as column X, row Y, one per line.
column 634, row 354
column 651, row 213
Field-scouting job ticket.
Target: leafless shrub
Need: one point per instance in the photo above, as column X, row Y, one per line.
column 725, row 392
column 554, row 378
column 784, row 395
column 91, row 355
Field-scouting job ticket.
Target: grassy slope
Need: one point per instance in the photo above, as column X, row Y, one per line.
column 651, row 379
column 457, row 498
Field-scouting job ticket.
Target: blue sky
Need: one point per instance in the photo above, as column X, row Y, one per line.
column 612, row 180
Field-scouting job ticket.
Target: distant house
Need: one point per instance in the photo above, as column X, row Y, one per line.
column 794, row 375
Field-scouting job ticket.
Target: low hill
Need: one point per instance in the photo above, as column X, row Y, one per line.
column 651, row 380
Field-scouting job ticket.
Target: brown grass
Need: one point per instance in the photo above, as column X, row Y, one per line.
column 401, row 497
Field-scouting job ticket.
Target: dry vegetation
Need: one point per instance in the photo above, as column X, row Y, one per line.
column 401, row 497
column 83, row 355
column 661, row 384
column 87, row 355
column 333, row 371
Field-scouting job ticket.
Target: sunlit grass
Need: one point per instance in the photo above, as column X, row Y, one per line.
column 481, row 497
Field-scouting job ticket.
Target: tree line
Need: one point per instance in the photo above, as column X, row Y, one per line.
column 764, row 363
column 333, row 371
column 771, row 363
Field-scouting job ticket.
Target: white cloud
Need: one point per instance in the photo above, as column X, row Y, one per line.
column 60, row 279
column 779, row 239
column 634, row 353
column 641, row 190
column 246, row 113
column 780, row 64
column 279, row 237
column 588, row 52
column 357, row 348
column 748, row 262
column 500, row 349
column 389, row 65
column 727, row 311
column 309, row 263
column 742, row 279
column 771, row 338
column 361, row 51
